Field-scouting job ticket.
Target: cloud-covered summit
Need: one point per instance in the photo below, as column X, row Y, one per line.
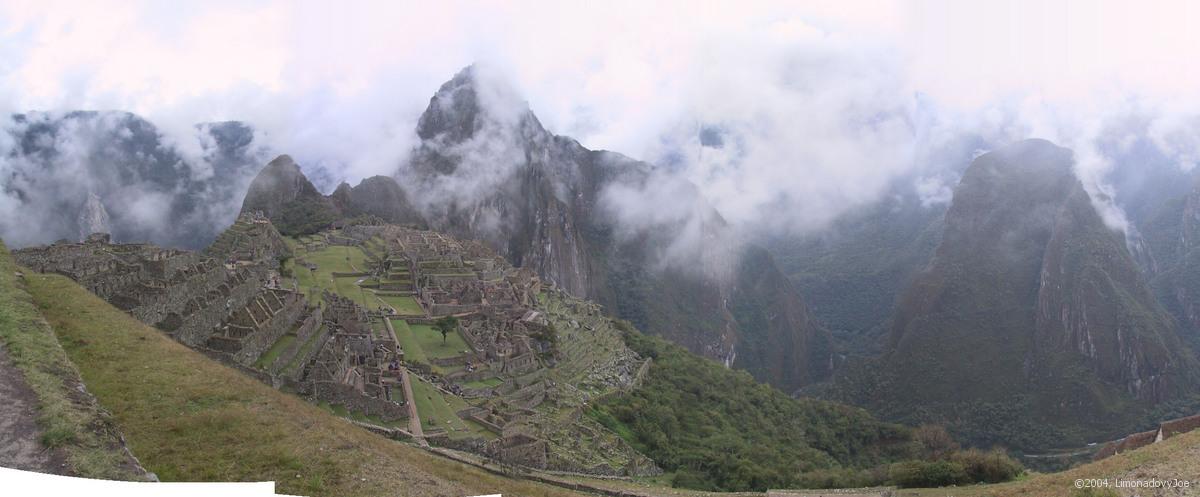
column 62, row 175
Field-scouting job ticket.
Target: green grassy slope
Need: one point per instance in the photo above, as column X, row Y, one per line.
column 189, row 418
column 718, row 429
column 69, row 420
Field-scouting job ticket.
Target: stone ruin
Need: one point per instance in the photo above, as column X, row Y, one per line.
column 251, row 240
column 358, row 364
column 524, row 386
column 1165, row 430
column 235, row 311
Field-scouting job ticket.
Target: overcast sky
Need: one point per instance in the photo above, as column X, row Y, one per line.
column 827, row 101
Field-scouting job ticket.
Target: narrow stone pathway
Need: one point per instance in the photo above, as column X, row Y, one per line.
column 414, row 419
column 20, row 436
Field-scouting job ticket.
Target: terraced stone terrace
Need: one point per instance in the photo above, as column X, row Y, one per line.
column 244, row 310
column 346, row 318
column 351, row 271
column 511, row 382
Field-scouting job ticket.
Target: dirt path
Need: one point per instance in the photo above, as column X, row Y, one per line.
column 20, row 444
column 414, row 419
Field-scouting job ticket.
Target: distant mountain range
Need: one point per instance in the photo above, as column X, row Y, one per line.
column 70, row 174
column 539, row 203
column 1012, row 313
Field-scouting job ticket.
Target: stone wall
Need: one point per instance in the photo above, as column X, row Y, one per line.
column 155, row 303
column 346, row 396
column 281, row 322
column 310, row 325
column 198, row 325
column 363, row 232
column 528, row 397
column 533, row 454
column 306, row 357
column 439, row 310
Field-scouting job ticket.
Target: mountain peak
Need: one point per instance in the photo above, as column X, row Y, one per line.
column 468, row 102
column 283, row 161
column 1030, row 301
column 282, row 193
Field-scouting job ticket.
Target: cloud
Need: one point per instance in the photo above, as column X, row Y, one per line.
column 52, row 164
column 819, row 107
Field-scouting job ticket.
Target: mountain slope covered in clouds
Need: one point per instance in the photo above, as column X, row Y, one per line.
column 1033, row 326
column 610, row 228
column 66, row 175
column 852, row 271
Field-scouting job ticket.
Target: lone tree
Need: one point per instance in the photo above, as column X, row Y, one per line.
column 446, row 325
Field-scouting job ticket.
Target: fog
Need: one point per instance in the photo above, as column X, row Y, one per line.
column 782, row 116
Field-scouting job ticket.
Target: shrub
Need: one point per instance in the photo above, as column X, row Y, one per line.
column 934, row 441
column 993, row 466
column 718, row 429
column 909, row 474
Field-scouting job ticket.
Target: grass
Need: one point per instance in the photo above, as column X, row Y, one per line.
column 422, row 343
column 191, row 419
column 431, row 342
column 1175, row 458
column 342, row 412
column 484, row 383
column 266, row 360
column 329, row 260
column 438, row 411
column 347, row 286
column 340, row 259
column 304, row 349
column 69, row 422
column 412, row 349
column 404, row 305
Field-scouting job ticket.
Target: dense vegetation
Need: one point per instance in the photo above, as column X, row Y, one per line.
column 304, row 217
column 718, row 429
column 851, row 273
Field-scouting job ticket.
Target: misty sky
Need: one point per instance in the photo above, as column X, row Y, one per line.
column 819, row 104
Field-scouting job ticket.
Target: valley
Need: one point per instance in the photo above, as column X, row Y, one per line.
column 897, row 248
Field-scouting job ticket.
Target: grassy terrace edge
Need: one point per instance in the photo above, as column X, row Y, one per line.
column 192, row 419
column 69, row 418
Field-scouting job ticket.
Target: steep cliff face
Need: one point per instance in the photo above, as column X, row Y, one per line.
column 283, row 194
column 1032, row 324
column 487, row 169
column 1172, row 246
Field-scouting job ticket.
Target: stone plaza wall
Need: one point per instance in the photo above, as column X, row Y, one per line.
column 198, row 325
column 256, row 344
column 155, row 303
column 311, row 324
column 306, row 356
column 354, row 401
